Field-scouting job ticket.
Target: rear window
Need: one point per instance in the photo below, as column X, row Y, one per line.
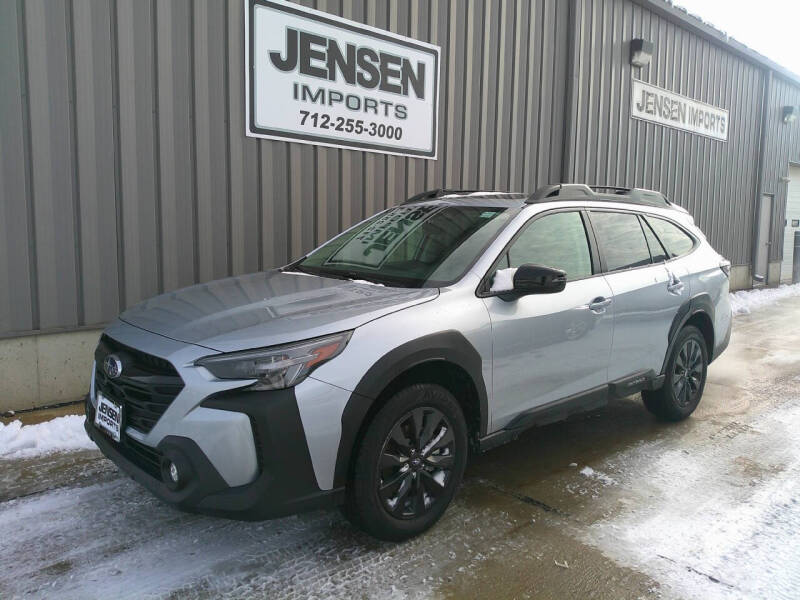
column 621, row 240
column 675, row 240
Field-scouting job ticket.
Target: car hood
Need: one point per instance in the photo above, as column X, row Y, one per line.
column 268, row 308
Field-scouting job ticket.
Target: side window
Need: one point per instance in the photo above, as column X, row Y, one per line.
column 675, row 240
column 621, row 239
column 558, row 241
column 656, row 249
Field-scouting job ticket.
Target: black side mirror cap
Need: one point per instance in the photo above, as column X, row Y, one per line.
column 538, row 279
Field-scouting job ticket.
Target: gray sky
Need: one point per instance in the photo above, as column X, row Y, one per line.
column 771, row 27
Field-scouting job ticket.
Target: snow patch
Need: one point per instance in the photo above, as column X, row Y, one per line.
column 503, row 280
column 62, row 434
column 745, row 301
column 782, row 358
column 364, row 281
column 597, row 475
column 713, row 519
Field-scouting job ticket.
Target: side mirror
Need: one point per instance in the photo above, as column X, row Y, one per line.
column 536, row 279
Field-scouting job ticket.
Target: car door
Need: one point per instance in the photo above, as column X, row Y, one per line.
column 549, row 346
column 647, row 295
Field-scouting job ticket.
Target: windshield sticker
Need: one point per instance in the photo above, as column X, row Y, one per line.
column 374, row 244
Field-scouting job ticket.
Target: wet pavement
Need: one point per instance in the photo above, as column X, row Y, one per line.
column 612, row 504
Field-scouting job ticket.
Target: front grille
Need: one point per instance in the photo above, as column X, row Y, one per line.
column 145, row 389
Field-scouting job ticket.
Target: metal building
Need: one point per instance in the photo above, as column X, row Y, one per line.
column 125, row 170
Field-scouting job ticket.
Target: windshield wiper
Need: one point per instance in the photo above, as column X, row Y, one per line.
column 299, row 269
column 350, row 275
column 357, row 275
column 326, row 273
column 333, row 274
column 360, row 276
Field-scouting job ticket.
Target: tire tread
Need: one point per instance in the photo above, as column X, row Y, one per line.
column 661, row 402
column 362, row 507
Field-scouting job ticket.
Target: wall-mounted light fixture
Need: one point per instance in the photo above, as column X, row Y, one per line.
column 641, row 52
column 789, row 113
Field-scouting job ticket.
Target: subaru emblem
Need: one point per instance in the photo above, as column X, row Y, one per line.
column 112, row 365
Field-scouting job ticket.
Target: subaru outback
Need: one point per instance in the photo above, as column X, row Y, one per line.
column 364, row 373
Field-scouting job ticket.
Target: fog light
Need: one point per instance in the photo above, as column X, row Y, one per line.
column 173, row 472
column 176, row 471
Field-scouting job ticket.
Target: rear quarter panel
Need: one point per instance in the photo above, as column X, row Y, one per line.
column 706, row 277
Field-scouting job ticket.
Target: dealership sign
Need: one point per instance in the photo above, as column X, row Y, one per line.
column 651, row 103
column 315, row 78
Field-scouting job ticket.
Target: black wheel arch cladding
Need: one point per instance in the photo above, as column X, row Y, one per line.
column 449, row 346
column 701, row 304
column 285, row 484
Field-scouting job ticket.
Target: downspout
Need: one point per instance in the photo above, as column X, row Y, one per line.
column 759, row 179
column 570, row 95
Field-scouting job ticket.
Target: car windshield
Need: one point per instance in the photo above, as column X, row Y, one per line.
column 414, row 245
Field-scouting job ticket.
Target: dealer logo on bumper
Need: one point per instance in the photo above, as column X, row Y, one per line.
column 112, row 365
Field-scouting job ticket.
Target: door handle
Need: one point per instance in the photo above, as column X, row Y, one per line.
column 599, row 305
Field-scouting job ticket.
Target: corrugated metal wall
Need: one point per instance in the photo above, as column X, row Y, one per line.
column 715, row 181
column 125, row 170
column 781, row 146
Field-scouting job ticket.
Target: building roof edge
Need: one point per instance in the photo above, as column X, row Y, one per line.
column 680, row 16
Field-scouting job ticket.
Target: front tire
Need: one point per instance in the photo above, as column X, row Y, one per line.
column 685, row 378
column 409, row 464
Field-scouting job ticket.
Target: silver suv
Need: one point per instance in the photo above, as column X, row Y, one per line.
column 364, row 373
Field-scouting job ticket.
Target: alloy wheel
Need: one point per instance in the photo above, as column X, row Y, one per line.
column 688, row 372
column 415, row 463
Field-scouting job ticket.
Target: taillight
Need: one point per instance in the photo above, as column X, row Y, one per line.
column 725, row 265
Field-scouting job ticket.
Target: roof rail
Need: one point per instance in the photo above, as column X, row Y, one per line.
column 611, row 188
column 581, row 191
column 559, row 189
column 434, row 193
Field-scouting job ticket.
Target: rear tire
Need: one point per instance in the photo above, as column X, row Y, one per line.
column 685, row 378
column 409, row 464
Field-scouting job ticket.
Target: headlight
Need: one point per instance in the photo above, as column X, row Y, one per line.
column 278, row 367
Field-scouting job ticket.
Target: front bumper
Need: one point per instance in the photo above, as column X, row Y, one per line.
column 285, row 483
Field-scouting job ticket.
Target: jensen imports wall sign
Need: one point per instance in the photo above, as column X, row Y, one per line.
column 315, row 78
column 655, row 104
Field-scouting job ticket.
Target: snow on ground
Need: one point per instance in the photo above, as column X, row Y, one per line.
column 115, row 540
column 58, row 435
column 720, row 519
column 745, row 301
column 601, row 477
